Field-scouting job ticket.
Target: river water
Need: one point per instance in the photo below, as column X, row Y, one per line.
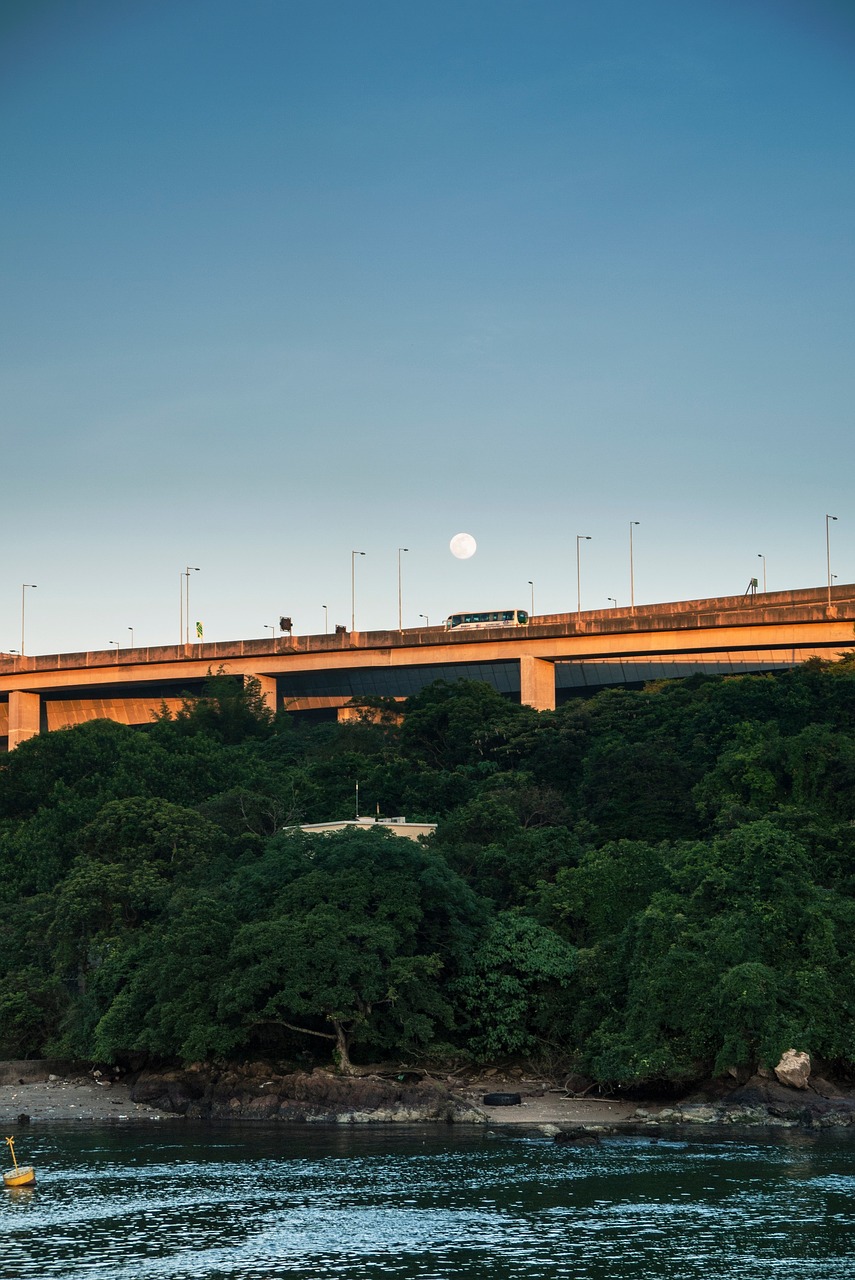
column 174, row 1202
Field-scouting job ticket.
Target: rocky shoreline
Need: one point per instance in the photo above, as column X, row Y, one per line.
column 759, row 1102
column 257, row 1092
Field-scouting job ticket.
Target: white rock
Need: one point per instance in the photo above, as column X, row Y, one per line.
column 698, row 1113
column 794, row 1069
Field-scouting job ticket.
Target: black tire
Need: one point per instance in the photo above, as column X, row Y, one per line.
column 502, row 1099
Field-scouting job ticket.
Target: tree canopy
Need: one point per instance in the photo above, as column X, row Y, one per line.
column 650, row 884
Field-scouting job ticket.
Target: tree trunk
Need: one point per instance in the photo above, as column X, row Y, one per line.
column 340, row 1053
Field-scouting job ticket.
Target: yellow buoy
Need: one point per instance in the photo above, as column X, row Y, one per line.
column 22, row 1175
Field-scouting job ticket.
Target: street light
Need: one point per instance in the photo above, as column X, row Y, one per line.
column 612, row 600
column 760, row 556
column 531, row 584
column 426, row 618
column 191, row 568
column 118, row 647
column 400, row 613
column 580, row 538
column 24, row 586
column 828, row 555
column 268, row 626
column 632, row 524
column 326, row 620
column 353, row 556
column 132, row 636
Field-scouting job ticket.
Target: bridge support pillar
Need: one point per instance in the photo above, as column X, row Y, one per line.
column 25, row 713
column 537, row 683
column 267, row 689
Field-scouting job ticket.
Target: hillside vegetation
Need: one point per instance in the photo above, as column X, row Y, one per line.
column 645, row 886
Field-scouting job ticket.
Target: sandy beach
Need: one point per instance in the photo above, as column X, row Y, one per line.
column 71, row 1100
column 542, row 1104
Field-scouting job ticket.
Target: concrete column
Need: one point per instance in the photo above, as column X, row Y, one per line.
column 537, row 683
column 267, row 689
column 25, row 712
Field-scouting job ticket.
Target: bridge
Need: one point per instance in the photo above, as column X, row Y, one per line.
column 556, row 656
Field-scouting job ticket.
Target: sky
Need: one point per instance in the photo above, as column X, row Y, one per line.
column 281, row 280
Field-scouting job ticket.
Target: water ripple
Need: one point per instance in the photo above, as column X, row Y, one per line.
column 207, row 1204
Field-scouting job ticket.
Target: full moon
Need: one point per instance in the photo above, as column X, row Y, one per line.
column 463, row 545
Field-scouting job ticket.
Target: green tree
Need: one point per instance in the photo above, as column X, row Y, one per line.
column 749, row 777
column 458, row 724
column 597, row 899
column 353, row 944
column 160, row 992
column 230, row 709
column 132, row 856
column 637, row 789
column 515, row 994
column 721, row 968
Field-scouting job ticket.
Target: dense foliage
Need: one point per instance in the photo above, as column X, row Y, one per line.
column 647, row 885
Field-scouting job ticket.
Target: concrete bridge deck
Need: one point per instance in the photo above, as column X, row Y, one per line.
column 761, row 632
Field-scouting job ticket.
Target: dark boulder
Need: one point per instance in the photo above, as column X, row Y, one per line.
column 576, row 1138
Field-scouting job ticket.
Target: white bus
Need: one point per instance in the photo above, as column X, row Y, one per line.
column 491, row 618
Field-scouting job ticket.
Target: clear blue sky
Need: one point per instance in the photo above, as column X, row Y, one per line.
column 283, row 279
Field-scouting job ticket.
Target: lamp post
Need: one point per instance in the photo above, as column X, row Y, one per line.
column 353, row 556
column 118, row 647
column 326, row 620
column 531, row 584
column 268, row 626
column 580, row 538
column 400, row 613
column 632, row 524
column 612, row 600
column 760, row 556
column 132, row 636
column 828, row 554
column 191, row 568
column 426, row 618
column 24, row 585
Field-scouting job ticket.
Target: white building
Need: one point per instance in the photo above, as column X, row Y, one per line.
column 398, row 826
